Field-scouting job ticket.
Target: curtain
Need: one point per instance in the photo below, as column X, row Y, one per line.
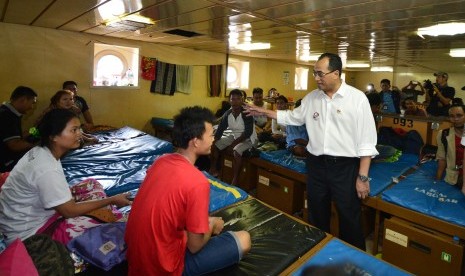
column 184, row 78
column 215, row 80
column 165, row 79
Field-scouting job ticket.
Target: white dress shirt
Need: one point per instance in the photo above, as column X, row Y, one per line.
column 341, row 126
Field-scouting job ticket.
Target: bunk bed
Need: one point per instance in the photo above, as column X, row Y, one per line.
column 119, row 162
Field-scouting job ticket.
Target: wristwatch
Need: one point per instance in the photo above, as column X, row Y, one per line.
column 363, row 178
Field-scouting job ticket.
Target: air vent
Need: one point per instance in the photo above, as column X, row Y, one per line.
column 127, row 25
column 182, row 33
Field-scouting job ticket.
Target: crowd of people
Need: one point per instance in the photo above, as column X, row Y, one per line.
column 169, row 229
column 439, row 96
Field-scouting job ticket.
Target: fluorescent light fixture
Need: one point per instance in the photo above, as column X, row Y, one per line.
column 459, row 52
column 357, row 65
column 131, row 17
column 139, row 18
column 309, row 57
column 253, row 46
column 451, row 28
column 382, row 69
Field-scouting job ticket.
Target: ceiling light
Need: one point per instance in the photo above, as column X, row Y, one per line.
column 382, row 69
column 128, row 18
column 459, row 52
column 139, row 18
column 357, row 65
column 451, row 28
column 253, row 46
column 309, row 57
column 111, row 9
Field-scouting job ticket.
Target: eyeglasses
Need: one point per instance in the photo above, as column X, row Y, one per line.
column 321, row 74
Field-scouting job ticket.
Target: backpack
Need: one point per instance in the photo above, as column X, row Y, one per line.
column 50, row 257
column 102, row 246
column 412, row 142
column 407, row 142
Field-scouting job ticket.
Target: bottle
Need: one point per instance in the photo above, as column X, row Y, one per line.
column 130, row 77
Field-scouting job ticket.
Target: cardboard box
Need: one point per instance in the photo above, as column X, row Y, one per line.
column 421, row 251
column 281, row 193
column 247, row 175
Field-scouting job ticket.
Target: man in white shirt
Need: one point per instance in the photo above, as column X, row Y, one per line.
column 342, row 140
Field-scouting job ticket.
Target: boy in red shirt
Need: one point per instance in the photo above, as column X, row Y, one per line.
column 169, row 231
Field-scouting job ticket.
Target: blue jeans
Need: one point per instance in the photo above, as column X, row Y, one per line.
column 220, row 251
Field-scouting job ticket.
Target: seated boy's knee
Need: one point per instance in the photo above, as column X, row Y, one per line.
column 244, row 240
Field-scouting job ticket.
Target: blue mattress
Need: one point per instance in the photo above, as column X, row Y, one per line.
column 123, row 133
column 419, row 192
column 106, row 153
column 221, row 194
column 335, row 254
column 382, row 174
column 167, row 123
column 119, row 162
column 286, row 159
column 115, row 177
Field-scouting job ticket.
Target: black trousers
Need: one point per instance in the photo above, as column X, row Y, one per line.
column 333, row 178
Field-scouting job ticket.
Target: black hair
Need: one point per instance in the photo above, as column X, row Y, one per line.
column 257, row 90
column 53, row 123
column 56, row 98
column 386, row 81
column 407, row 99
column 236, row 92
column 190, row 124
column 457, row 105
column 22, row 91
column 335, row 62
column 282, row 98
column 457, row 101
column 298, row 103
column 70, row 82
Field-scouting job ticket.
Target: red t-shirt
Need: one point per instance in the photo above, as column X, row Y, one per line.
column 173, row 198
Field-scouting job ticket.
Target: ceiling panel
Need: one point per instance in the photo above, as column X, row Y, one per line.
column 62, row 11
column 377, row 31
column 24, row 12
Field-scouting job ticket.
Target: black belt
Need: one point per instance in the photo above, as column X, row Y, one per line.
column 330, row 158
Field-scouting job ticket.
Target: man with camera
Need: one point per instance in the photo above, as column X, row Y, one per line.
column 410, row 91
column 439, row 95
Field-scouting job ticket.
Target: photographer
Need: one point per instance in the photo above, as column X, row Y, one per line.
column 409, row 91
column 439, row 95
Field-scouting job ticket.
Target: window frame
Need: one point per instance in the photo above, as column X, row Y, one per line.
column 117, row 50
column 299, row 73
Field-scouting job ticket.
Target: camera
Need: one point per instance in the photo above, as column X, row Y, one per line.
column 429, row 86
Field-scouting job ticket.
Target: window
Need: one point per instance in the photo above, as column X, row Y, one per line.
column 301, row 78
column 115, row 65
column 238, row 74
